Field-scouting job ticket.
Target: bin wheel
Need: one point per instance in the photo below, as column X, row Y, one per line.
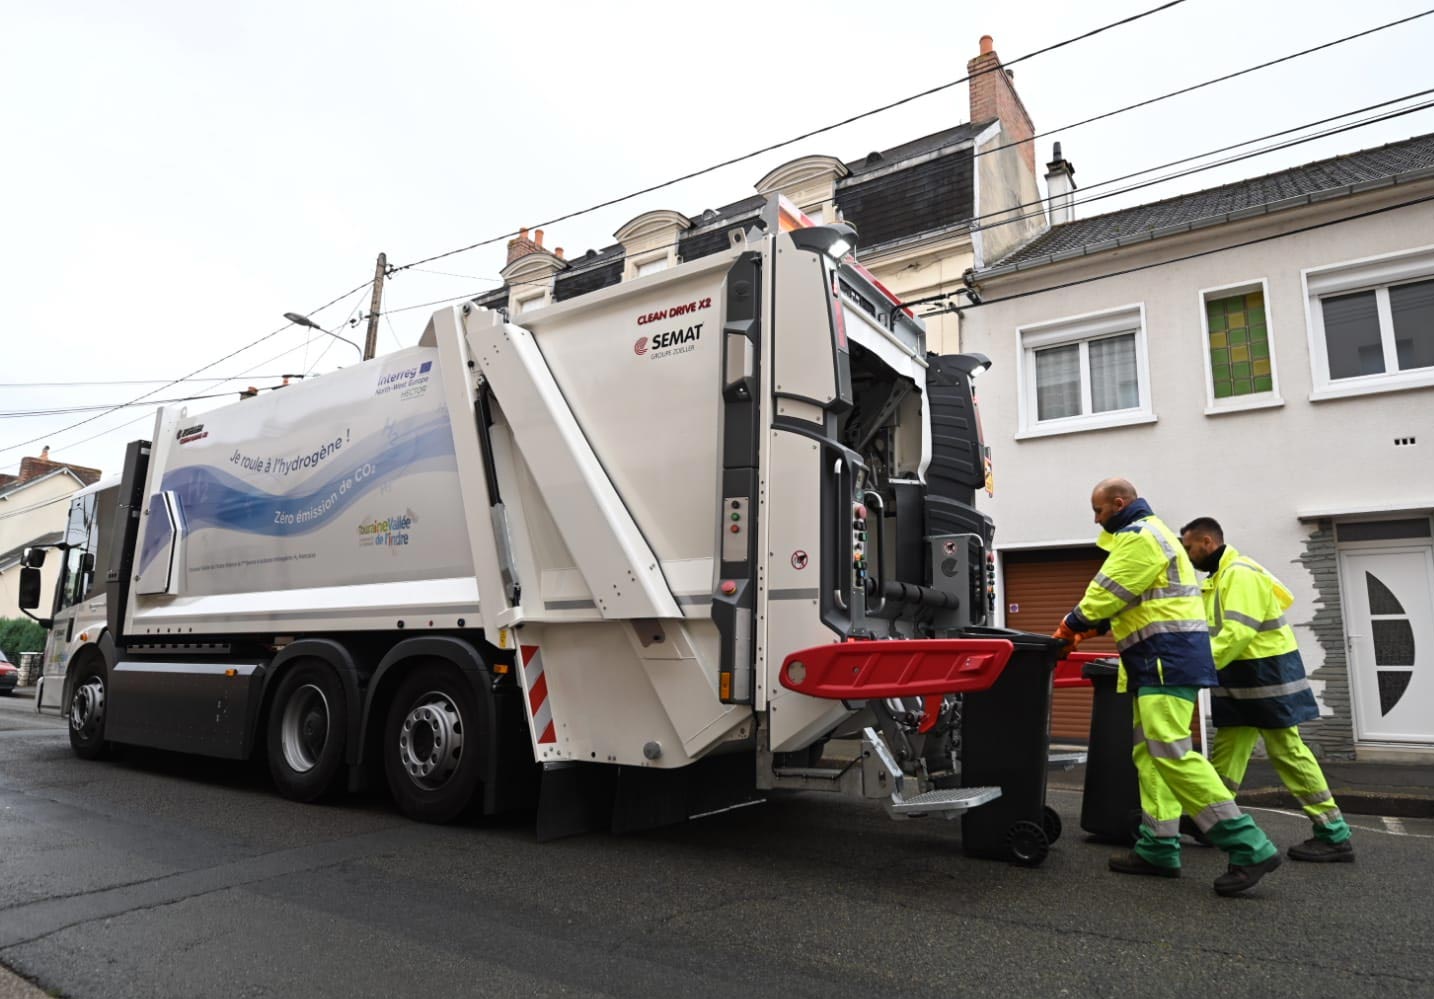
column 1050, row 823
column 1027, row 842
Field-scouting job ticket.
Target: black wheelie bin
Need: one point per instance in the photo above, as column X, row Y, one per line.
column 1005, row 742
column 1110, row 805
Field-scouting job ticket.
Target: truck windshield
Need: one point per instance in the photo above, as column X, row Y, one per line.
column 86, row 531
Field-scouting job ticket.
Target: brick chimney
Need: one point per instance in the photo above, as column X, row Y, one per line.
column 522, row 246
column 993, row 95
column 1060, row 187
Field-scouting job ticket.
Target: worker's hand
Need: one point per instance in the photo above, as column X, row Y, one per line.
column 1064, row 633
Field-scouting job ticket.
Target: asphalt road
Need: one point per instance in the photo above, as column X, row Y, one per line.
column 158, row 875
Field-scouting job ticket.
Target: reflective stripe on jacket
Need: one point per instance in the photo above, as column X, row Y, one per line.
column 1262, row 678
column 1148, row 591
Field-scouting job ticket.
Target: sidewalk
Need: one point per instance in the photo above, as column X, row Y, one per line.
column 1403, row 790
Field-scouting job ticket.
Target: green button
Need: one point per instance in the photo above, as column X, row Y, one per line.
column 736, row 516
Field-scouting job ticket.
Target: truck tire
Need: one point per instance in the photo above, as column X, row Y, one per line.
column 86, row 712
column 431, row 744
column 308, row 722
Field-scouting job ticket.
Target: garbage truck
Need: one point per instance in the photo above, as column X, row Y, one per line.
column 647, row 553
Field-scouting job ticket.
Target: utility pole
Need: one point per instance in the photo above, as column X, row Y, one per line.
column 370, row 345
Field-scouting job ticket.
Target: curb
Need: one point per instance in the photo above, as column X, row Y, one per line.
column 1351, row 802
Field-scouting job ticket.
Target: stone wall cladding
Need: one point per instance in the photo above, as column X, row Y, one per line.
column 1330, row 737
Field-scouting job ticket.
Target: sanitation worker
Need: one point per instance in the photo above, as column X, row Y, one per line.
column 1146, row 593
column 1263, row 691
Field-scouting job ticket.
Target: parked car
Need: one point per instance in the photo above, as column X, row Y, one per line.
column 9, row 675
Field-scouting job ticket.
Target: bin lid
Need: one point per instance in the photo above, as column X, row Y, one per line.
column 1097, row 668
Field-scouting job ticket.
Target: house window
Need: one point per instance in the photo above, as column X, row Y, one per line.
column 529, row 304
column 1084, row 373
column 1372, row 325
column 1239, row 345
column 1237, row 349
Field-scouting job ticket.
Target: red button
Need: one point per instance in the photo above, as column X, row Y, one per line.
column 728, row 587
column 736, row 528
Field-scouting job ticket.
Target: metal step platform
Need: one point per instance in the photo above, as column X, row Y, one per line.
column 1065, row 761
column 948, row 803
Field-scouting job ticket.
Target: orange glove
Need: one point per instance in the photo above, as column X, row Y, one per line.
column 1073, row 638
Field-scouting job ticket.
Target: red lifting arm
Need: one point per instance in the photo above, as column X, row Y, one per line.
column 858, row 670
column 1068, row 670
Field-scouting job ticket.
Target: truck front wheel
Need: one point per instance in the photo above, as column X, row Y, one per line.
column 87, row 712
column 430, row 745
column 307, row 725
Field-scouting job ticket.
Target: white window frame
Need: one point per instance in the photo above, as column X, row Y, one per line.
column 531, row 302
column 1253, row 400
column 1366, row 274
column 668, row 254
column 1081, row 329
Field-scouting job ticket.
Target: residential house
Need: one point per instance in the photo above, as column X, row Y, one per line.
column 1261, row 352
column 33, row 510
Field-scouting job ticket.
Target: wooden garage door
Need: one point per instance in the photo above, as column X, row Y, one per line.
column 1041, row 587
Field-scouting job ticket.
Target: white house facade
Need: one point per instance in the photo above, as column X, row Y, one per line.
column 1262, row 353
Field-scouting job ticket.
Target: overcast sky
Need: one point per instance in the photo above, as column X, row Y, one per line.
column 177, row 175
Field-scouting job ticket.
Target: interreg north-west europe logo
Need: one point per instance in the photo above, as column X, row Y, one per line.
column 410, row 381
column 394, row 531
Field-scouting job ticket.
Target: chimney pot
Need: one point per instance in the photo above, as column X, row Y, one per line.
column 523, row 233
column 558, row 252
column 987, row 44
column 538, row 236
column 1056, row 151
column 45, row 453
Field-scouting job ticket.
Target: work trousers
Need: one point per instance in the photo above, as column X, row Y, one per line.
column 1175, row 779
column 1296, row 766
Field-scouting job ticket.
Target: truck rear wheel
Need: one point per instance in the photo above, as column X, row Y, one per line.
column 307, row 725
column 87, row 712
column 431, row 745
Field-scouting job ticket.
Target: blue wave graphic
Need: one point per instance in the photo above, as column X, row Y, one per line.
column 213, row 497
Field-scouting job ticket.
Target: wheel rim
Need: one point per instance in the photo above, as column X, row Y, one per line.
column 87, row 707
column 304, row 729
column 430, row 741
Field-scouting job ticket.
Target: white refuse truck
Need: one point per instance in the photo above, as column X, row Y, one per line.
column 646, row 553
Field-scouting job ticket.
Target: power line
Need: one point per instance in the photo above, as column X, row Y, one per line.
column 176, row 381
column 17, row 414
column 1251, row 154
column 137, row 381
column 1203, row 84
column 805, row 135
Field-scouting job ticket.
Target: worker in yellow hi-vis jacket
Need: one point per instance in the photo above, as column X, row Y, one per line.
column 1146, row 593
column 1263, row 690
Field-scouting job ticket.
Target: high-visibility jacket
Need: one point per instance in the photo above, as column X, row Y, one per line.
column 1148, row 592
column 1262, row 678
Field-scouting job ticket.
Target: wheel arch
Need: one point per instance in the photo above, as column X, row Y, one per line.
column 338, row 658
column 456, row 653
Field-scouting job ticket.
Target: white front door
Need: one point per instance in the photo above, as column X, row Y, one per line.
column 1389, row 618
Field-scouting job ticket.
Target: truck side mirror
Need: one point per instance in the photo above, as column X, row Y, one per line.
column 87, row 562
column 29, row 587
column 33, row 558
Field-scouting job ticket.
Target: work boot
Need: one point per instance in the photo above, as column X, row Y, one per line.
column 1317, row 851
column 1131, row 862
column 1238, row 879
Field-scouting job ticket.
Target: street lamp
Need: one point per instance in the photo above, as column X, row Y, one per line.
column 301, row 320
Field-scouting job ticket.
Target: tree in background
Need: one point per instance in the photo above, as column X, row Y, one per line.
column 18, row 634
